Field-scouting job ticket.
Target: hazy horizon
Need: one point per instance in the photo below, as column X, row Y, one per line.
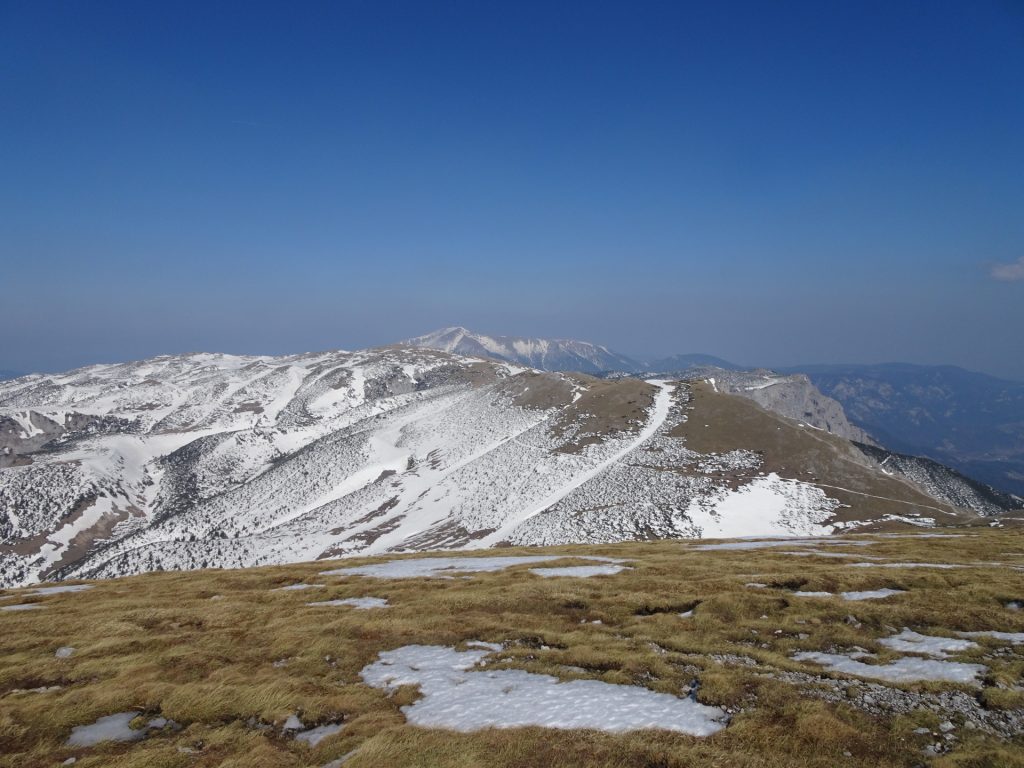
column 771, row 185
column 637, row 357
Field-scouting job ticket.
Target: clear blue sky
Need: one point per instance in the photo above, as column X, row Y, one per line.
column 770, row 182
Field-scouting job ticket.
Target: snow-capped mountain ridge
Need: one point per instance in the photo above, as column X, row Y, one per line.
column 216, row 460
column 543, row 354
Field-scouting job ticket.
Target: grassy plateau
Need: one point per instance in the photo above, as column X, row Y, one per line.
column 229, row 658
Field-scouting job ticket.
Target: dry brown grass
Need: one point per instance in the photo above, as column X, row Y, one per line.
column 161, row 643
column 803, row 453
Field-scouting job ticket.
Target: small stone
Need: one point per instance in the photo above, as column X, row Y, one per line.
column 946, row 726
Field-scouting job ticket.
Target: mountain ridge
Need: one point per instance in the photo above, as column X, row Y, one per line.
column 231, row 461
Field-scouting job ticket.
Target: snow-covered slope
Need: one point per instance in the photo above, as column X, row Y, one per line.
column 222, row 461
column 542, row 354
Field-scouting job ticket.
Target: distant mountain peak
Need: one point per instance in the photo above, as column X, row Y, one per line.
column 541, row 353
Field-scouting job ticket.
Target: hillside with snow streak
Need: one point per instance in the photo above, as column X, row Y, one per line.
column 210, row 460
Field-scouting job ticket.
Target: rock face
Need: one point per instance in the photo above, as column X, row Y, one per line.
column 969, row 421
column 792, row 396
column 210, row 460
column 542, row 354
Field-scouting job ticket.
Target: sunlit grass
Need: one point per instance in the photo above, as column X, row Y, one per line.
column 223, row 655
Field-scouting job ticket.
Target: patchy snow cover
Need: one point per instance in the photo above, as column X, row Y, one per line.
column 21, row 607
column 427, row 567
column 580, row 571
column 115, row 728
column 192, row 461
column 293, row 587
column 64, row 652
column 782, row 542
column 902, row 670
column 1015, row 638
column 870, row 594
column 109, row 728
column 909, row 641
column 60, row 590
column 764, row 507
column 314, row 736
column 944, row 566
column 659, row 413
column 460, row 697
column 485, row 645
column 840, row 555
column 355, row 602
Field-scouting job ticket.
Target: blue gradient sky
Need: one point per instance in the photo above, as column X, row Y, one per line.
column 775, row 183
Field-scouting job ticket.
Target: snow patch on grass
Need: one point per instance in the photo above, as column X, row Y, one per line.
column 903, row 670
column 461, row 698
column 427, row 567
column 1016, row 638
column 909, row 641
column 869, row 594
column 580, row 571
column 60, row 590
column 944, row 566
column 354, row 602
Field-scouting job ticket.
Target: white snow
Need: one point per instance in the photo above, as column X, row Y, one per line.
column 21, row 607
column 871, row 594
column 907, row 669
column 109, row 728
column 486, row 645
column 61, row 589
column 763, row 507
column 659, row 412
column 780, row 542
column 114, row 728
column 580, row 571
column 457, row 696
column 904, row 565
column 847, row 555
column 909, row 641
column 1016, row 638
column 355, row 602
column 64, row 652
column 314, row 736
column 426, row 567
column 291, row 587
